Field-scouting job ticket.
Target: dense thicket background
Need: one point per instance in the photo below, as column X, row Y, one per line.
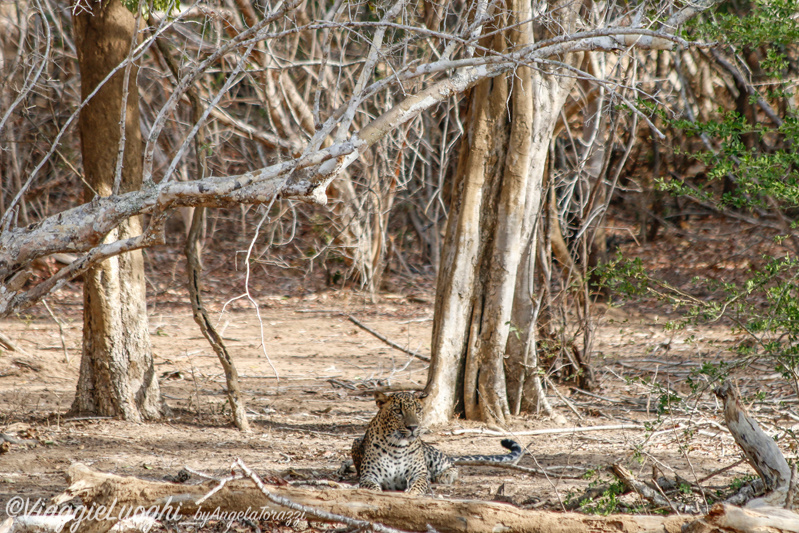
column 693, row 145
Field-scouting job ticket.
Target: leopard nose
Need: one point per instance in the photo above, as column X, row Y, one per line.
column 412, row 429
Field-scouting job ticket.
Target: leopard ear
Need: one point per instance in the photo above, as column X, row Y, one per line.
column 420, row 394
column 380, row 398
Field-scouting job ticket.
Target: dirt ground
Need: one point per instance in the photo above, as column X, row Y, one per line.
column 304, row 423
column 309, row 375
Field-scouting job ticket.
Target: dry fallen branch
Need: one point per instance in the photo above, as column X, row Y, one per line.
column 644, row 490
column 763, row 514
column 760, row 450
column 5, row 437
column 398, row 510
column 724, row 517
column 550, row 431
column 320, row 515
column 720, row 471
column 8, row 344
column 387, row 341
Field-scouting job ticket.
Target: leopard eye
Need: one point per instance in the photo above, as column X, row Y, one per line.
column 398, row 410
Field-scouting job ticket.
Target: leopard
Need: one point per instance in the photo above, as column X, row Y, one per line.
column 392, row 456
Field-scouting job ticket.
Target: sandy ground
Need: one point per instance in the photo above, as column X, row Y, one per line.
column 304, row 423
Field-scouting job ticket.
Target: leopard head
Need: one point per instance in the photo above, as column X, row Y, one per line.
column 400, row 416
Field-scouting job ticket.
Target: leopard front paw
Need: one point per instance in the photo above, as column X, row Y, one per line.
column 447, row 477
column 419, row 486
column 369, row 485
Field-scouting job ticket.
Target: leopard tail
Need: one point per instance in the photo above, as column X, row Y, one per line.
column 514, row 455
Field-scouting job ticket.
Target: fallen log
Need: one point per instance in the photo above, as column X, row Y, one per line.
column 644, row 490
column 7, row 344
column 760, row 515
column 725, row 517
column 760, row 450
column 399, row 510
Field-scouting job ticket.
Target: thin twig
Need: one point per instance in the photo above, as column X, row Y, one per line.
column 720, row 471
column 221, row 483
column 552, row 471
column 10, row 345
column 323, row 515
column 552, row 431
column 569, row 404
column 60, row 330
column 390, row 343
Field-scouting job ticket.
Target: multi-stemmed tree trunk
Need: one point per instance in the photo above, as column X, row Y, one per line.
column 496, row 202
column 117, row 376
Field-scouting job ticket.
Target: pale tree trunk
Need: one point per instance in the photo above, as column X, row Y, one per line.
column 495, row 205
column 117, row 376
column 525, row 390
column 457, row 275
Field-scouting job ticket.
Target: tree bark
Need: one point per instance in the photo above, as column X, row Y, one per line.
column 493, row 214
column 117, row 377
column 525, row 390
column 462, row 246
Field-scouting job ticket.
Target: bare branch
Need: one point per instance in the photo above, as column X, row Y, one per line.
column 83, row 229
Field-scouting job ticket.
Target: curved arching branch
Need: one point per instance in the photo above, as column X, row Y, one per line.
column 82, row 229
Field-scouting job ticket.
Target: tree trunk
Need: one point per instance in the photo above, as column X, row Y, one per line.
column 525, row 390
column 117, row 377
column 462, row 246
column 495, row 205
